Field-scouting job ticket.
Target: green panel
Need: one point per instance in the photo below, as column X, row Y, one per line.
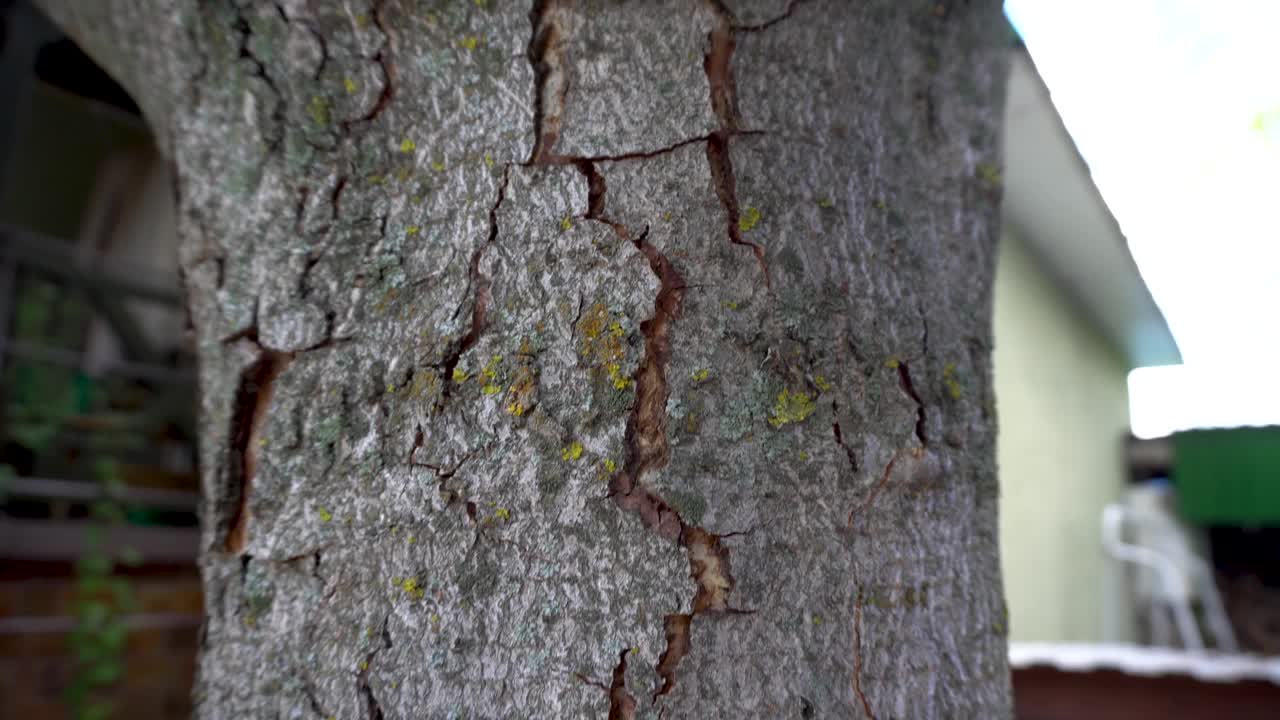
column 1229, row 477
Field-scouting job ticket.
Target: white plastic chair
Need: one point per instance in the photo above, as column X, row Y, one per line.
column 1175, row 574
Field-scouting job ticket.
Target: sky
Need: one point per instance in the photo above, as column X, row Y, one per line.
column 1175, row 106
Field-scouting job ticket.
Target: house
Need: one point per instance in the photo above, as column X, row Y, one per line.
column 1072, row 318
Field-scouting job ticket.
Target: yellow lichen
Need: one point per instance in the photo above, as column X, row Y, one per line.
column 593, row 321
column 488, row 160
column 491, row 389
column 749, row 219
column 469, row 42
column 620, row 381
column 950, row 381
column 410, row 587
column 407, row 146
column 603, row 345
column 572, row 452
column 822, row 383
column 892, row 362
column 325, row 515
column 989, row 174
column 701, row 374
column 566, row 223
column 460, row 375
column 412, row 230
column 791, row 407
column 825, row 203
column 437, row 165
column 319, row 109
column 350, row 85
column 731, row 304
column 610, row 465
column 521, row 393
column 502, row 514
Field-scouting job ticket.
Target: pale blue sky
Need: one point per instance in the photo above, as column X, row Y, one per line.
column 1175, row 105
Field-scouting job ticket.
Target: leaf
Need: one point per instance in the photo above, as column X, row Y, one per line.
column 107, row 511
column 93, row 563
column 130, row 557
column 105, row 673
column 96, row 709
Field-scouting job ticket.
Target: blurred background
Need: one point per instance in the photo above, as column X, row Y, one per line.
column 1137, row 382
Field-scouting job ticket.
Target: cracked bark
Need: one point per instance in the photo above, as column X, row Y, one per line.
column 908, row 387
column 479, row 292
column 503, row 242
column 253, row 399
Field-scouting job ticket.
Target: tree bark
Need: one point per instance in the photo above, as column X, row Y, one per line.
column 590, row 359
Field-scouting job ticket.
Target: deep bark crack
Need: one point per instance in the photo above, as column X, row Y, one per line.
column 242, row 27
column 718, row 65
column 622, row 705
column 548, row 54
column 904, row 379
column 857, row 657
column 761, row 27
column 835, row 430
column 480, row 291
column 372, row 707
column 383, row 59
column 253, row 398
column 647, row 447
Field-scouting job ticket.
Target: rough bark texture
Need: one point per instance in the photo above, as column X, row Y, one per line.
column 587, row 359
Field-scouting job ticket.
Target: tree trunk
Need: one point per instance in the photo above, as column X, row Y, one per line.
column 595, row 359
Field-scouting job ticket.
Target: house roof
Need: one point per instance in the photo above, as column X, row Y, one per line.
column 1052, row 205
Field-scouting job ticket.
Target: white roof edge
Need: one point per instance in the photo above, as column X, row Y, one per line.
column 1053, row 206
column 1145, row 661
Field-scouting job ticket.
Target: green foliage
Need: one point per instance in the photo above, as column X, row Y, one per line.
column 98, row 641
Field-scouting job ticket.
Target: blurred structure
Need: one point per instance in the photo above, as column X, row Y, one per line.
column 1171, row 578
column 1224, row 481
column 99, row 595
column 1072, row 317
